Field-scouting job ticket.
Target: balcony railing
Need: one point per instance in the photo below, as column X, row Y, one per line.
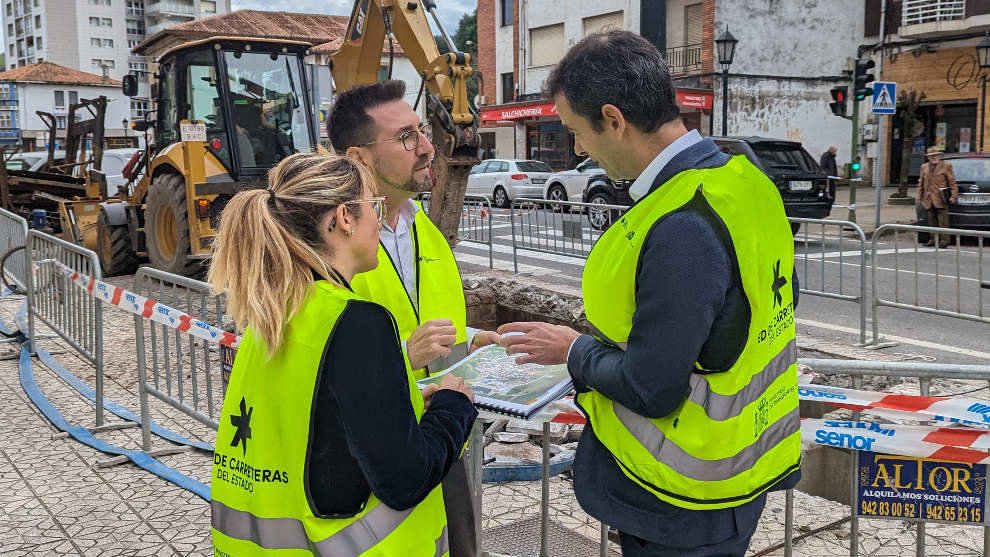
column 169, row 7
column 684, row 59
column 915, row 12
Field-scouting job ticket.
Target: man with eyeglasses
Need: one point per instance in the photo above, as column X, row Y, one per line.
column 417, row 277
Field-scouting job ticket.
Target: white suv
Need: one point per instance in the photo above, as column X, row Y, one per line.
column 569, row 185
column 503, row 180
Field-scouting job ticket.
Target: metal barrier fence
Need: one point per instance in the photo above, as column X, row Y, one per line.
column 856, row 369
column 558, row 227
column 13, row 231
column 71, row 312
column 183, row 368
column 475, row 224
column 930, row 283
column 833, row 251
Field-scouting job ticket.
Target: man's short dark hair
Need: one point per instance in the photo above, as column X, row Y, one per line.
column 349, row 122
column 618, row 68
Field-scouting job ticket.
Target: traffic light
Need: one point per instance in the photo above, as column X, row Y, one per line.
column 861, row 79
column 856, row 164
column 838, row 104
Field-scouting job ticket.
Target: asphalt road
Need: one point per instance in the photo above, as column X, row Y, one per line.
column 829, row 263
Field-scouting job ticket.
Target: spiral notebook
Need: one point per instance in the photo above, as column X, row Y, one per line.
column 501, row 385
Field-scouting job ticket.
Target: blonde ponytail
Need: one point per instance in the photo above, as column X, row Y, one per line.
column 269, row 244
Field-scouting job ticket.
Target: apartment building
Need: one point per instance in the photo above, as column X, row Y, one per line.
column 48, row 87
column 788, row 57
column 94, row 36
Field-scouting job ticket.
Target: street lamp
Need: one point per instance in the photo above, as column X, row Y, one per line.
column 124, row 122
column 983, row 57
column 726, row 46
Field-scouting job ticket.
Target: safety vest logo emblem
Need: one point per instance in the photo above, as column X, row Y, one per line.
column 243, row 425
column 778, row 283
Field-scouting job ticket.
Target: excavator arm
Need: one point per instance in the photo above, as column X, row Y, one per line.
column 454, row 124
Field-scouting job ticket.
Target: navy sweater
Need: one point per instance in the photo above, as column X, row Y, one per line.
column 690, row 307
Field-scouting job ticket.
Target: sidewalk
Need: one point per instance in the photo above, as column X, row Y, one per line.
column 866, row 207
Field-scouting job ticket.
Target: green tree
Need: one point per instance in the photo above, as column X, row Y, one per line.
column 466, row 40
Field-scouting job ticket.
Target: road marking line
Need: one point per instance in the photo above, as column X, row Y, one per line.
column 575, row 261
column 523, row 268
column 902, row 340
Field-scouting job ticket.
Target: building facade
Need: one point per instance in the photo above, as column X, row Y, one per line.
column 930, row 51
column 51, row 88
column 779, row 84
column 95, row 36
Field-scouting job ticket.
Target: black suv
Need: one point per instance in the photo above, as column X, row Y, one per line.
column 806, row 190
column 602, row 190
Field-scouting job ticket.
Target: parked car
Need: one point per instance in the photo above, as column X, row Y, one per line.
column 114, row 161
column 804, row 187
column 32, row 160
column 503, row 180
column 972, row 209
column 602, row 190
column 569, row 185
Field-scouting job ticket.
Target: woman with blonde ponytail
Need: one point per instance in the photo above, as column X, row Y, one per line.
column 325, row 445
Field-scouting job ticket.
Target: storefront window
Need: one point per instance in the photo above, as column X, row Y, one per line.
column 550, row 143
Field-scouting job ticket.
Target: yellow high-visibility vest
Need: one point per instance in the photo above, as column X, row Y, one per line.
column 737, row 433
column 439, row 292
column 260, row 499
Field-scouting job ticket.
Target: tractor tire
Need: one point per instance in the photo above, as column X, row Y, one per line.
column 114, row 248
column 166, row 226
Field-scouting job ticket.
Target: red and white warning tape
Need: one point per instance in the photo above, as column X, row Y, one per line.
column 959, row 410
column 956, row 444
column 145, row 307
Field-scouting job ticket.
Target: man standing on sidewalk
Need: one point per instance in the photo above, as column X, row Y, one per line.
column 936, row 178
column 827, row 162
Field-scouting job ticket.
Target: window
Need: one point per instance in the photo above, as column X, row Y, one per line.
column 37, row 21
column 135, row 27
column 207, row 7
column 10, row 10
column 138, row 108
column 140, row 66
column 382, row 73
column 131, row 43
column 546, row 45
column 603, row 23
column 94, row 21
column 73, row 97
column 36, row 3
column 10, row 29
column 94, row 42
column 59, row 99
column 693, row 22
column 109, row 63
column 6, row 120
column 60, row 122
column 96, row 62
column 100, row 2
column 108, row 43
column 508, row 87
column 37, row 41
column 135, row 7
column 106, row 22
column 506, row 13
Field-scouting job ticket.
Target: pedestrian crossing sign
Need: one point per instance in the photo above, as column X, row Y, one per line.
column 884, row 95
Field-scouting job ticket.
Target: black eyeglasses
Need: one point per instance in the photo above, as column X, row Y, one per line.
column 409, row 139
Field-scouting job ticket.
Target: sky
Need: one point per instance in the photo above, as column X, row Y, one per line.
column 450, row 11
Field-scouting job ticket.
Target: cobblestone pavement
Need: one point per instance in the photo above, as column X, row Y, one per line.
column 55, row 498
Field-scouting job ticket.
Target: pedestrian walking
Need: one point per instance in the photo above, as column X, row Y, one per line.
column 936, row 190
column 689, row 381
column 417, row 278
column 827, row 161
column 325, row 445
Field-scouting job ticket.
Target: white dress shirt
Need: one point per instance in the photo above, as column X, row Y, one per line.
column 642, row 185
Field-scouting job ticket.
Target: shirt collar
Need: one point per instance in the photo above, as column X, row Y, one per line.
column 407, row 214
column 642, row 185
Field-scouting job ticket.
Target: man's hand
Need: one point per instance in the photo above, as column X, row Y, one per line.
column 952, row 199
column 483, row 338
column 455, row 383
column 430, row 341
column 542, row 343
column 427, row 392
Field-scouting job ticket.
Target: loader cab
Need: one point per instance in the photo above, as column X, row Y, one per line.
column 251, row 96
